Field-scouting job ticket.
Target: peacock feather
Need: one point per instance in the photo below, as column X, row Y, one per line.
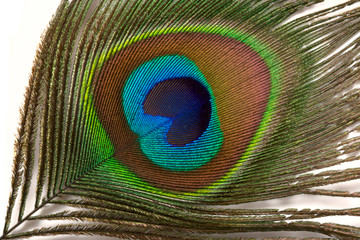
column 163, row 119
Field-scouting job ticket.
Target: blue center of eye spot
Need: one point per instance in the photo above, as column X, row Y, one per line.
column 186, row 102
column 169, row 104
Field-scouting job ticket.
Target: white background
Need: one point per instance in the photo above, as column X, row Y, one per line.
column 21, row 24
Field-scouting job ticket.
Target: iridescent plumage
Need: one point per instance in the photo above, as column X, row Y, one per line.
column 164, row 113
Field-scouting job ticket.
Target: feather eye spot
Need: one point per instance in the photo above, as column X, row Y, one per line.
column 145, row 92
